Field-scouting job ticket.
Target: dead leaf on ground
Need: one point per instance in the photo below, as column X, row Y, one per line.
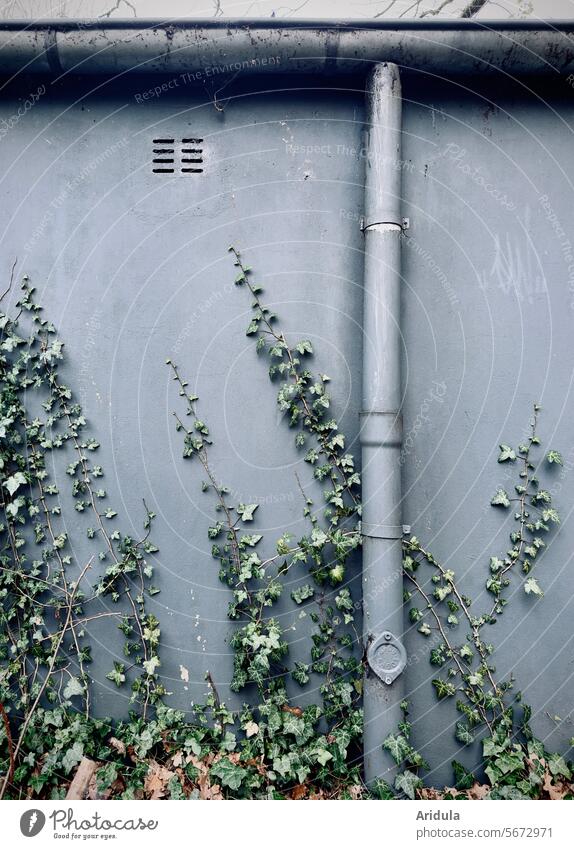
column 317, row 795
column 296, row 711
column 156, row 780
column 479, row 791
column 118, row 745
column 206, row 789
column 114, row 790
column 177, row 759
column 430, row 793
column 356, row 791
column 556, row 789
column 298, row 792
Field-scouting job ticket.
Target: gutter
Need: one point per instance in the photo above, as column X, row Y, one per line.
column 265, row 46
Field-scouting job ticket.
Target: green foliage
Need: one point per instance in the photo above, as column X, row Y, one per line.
column 467, row 671
column 46, row 601
column 271, row 748
column 519, row 767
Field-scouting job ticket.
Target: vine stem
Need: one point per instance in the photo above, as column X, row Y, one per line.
column 54, row 657
column 204, row 460
column 280, row 337
column 10, row 741
column 479, row 645
column 105, row 535
column 49, row 526
column 452, row 650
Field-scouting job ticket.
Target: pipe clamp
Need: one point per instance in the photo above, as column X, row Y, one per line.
column 382, row 531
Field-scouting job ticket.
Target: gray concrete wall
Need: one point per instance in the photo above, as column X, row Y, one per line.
column 133, row 267
column 488, row 316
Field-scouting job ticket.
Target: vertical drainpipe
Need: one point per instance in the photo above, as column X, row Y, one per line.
column 381, row 422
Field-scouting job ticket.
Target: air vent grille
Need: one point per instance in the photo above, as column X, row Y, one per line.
column 172, row 156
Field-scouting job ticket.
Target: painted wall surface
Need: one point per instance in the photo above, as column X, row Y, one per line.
column 133, row 267
column 488, row 319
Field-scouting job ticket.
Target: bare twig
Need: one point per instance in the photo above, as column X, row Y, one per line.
column 437, row 10
column 9, row 741
column 213, row 688
column 5, row 292
column 54, row 657
column 116, row 6
column 473, row 8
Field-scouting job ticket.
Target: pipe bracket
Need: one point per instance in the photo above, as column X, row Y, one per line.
column 51, row 51
column 387, row 224
column 387, row 657
column 382, row 531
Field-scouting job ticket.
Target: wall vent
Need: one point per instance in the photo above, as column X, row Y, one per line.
column 171, row 156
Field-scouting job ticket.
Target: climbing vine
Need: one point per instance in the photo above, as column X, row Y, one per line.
column 464, row 662
column 65, row 563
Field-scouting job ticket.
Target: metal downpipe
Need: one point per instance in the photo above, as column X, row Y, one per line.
column 381, row 423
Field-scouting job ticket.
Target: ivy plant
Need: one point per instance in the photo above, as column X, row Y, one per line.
column 63, row 553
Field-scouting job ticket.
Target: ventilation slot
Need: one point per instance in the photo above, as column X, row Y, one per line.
column 189, row 156
column 162, row 156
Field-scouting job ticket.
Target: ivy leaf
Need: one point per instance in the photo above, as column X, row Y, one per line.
column 558, row 766
column 444, row 689
column 117, row 675
column 145, row 742
column 397, row 746
column 301, row 594
column 300, row 673
column 337, row 573
column 73, row 756
column 318, row 538
column 509, row 762
column 151, row 665
column 74, row 687
column 246, row 511
column 229, row 774
column 555, row 457
column 408, row 782
column 506, row 454
column 304, row 347
column 293, row 725
column 532, row 587
column 14, row 482
column 551, row 515
column 463, row 779
column 490, row 747
column 437, row 657
column 500, row 499
column 463, row 734
column 323, row 755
